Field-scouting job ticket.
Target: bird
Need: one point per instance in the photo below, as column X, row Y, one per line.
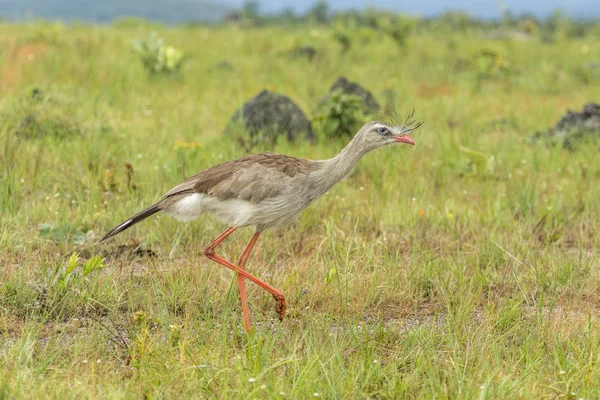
column 265, row 190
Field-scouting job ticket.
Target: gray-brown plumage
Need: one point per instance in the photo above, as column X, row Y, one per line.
column 227, row 180
column 265, row 190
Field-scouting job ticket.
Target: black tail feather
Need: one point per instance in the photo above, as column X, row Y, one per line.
column 153, row 209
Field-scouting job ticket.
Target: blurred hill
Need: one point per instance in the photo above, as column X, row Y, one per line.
column 487, row 9
column 168, row 11
column 178, row 11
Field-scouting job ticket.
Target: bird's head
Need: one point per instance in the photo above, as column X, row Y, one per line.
column 376, row 134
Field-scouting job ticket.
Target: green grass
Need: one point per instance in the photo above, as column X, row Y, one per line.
column 467, row 267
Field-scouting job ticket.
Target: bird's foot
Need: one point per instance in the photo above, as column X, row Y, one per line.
column 281, row 306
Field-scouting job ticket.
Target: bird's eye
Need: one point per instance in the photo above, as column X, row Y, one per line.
column 383, row 131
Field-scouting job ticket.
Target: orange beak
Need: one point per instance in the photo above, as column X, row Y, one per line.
column 405, row 139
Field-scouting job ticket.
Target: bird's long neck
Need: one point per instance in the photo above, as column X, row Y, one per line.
column 336, row 168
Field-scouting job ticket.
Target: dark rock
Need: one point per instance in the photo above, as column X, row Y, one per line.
column 591, row 110
column 573, row 126
column 587, row 120
column 370, row 105
column 270, row 115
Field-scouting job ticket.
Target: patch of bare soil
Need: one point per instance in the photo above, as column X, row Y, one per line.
column 20, row 57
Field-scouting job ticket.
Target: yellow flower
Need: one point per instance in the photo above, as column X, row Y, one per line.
column 450, row 215
column 180, row 144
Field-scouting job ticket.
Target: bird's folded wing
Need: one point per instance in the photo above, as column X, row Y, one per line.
column 253, row 178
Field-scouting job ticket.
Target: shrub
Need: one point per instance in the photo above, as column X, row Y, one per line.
column 340, row 115
column 158, row 57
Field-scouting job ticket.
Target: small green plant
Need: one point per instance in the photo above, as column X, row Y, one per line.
column 344, row 32
column 68, row 272
column 157, row 57
column 340, row 115
column 477, row 162
column 344, row 39
column 490, row 64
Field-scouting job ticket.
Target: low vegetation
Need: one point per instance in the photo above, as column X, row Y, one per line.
column 466, row 267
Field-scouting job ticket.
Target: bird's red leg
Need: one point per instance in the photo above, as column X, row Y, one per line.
column 217, row 241
column 209, row 251
column 242, row 281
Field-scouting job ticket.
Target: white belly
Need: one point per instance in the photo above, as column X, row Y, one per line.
column 235, row 212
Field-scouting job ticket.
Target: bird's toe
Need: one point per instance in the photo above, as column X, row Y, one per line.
column 280, row 306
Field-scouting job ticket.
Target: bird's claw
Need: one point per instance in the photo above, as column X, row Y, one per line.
column 280, row 306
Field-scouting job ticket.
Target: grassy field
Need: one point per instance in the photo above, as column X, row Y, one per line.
column 466, row 267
